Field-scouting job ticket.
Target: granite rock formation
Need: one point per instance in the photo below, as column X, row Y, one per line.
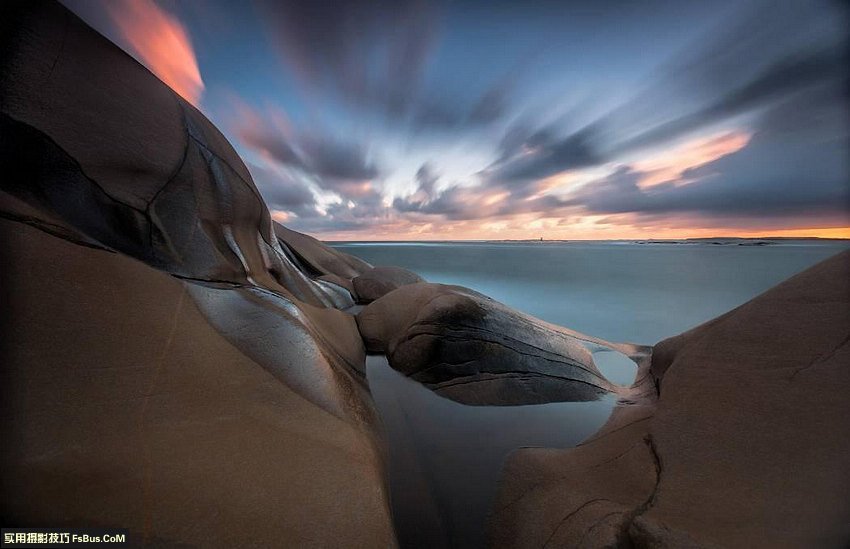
column 324, row 263
column 124, row 406
column 472, row 349
column 175, row 363
column 170, row 365
column 379, row 281
column 735, row 436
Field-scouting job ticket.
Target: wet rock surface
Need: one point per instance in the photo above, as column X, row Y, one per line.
column 472, row 349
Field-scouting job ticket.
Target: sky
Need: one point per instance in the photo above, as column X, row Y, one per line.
column 456, row 120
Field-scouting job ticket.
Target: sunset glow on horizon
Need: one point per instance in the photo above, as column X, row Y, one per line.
column 459, row 121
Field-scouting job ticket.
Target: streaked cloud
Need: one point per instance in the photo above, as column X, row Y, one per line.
column 419, row 119
column 672, row 164
column 161, row 42
column 330, row 162
column 371, row 54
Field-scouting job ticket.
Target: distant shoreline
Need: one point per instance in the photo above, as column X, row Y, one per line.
column 718, row 241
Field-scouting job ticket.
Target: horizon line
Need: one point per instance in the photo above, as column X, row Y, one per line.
column 650, row 240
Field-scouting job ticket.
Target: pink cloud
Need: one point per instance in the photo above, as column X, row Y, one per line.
column 161, row 42
column 669, row 165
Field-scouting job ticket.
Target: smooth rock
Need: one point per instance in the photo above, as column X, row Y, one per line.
column 118, row 155
column 379, row 281
column 470, row 348
column 167, row 365
column 746, row 445
column 123, row 407
column 320, row 258
column 341, row 282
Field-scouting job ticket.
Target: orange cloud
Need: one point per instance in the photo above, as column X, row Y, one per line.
column 670, row 164
column 281, row 216
column 627, row 226
column 833, row 232
column 495, row 198
column 161, row 42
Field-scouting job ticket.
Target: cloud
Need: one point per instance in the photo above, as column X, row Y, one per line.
column 781, row 79
column 758, row 58
column 284, row 193
column 363, row 215
column 161, row 42
column 426, row 179
column 748, row 120
column 297, row 167
column 762, row 180
column 337, row 159
column 441, row 113
column 541, row 155
column 375, row 57
column 677, row 162
column 267, row 133
column 468, row 202
column 789, row 162
column 527, row 156
column 369, row 53
column 332, row 164
column 454, row 202
column 792, row 95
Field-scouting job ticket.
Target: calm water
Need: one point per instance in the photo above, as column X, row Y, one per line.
column 445, row 458
column 640, row 293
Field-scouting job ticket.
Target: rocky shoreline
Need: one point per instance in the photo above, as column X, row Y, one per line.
column 737, row 438
column 177, row 363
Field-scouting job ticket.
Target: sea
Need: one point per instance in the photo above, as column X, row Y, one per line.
column 445, row 458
